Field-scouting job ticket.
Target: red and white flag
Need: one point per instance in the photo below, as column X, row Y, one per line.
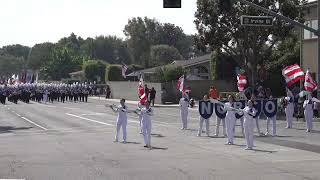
column 292, row 74
column 242, row 82
column 309, row 83
column 141, row 92
column 180, row 84
column 124, row 70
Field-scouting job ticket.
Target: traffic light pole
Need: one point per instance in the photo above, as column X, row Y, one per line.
column 268, row 11
column 315, row 31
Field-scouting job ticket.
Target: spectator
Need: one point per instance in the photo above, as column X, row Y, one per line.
column 152, row 95
column 146, row 91
column 108, row 92
column 213, row 94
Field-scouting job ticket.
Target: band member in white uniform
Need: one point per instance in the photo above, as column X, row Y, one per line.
column 249, row 113
column 253, row 99
column 273, row 119
column 241, row 97
column 201, row 119
column 308, row 112
column 289, row 110
column 146, row 113
column 230, row 119
column 140, row 106
column 122, row 111
column 184, row 104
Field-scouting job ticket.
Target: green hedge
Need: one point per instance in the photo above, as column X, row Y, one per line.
column 94, row 69
column 113, row 73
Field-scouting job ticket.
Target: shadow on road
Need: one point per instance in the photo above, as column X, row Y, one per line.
column 9, row 129
column 157, row 135
column 132, row 142
column 266, row 151
column 158, row 148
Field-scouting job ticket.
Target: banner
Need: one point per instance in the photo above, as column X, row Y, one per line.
column 269, row 108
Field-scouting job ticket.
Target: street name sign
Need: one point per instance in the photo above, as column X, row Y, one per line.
column 256, row 20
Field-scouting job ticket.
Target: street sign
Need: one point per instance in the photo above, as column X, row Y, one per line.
column 256, row 20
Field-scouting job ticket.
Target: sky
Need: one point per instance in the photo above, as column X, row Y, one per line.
column 29, row 22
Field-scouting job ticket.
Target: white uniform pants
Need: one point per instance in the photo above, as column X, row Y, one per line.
column 223, row 126
column 289, row 110
column 274, row 127
column 308, row 115
column 140, row 123
column 121, row 123
column 230, row 122
column 201, row 119
column 184, row 117
column 146, row 131
column 257, row 124
column 248, row 132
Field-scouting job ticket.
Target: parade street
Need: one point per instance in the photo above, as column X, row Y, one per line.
column 75, row 141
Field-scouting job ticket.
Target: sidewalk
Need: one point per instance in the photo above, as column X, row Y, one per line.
column 195, row 108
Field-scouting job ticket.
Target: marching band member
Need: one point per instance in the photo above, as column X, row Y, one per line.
column 201, row 119
column 230, row 119
column 146, row 113
column 273, row 119
column 249, row 113
column 253, row 99
column 308, row 112
column 140, row 106
column 122, row 111
column 184, row 104
column 289, row 109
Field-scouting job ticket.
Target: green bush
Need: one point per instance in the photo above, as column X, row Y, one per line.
column 94, row 69
column 169, row 73
column 113, row 73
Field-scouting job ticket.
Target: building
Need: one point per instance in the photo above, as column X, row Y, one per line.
column 309, row 47
column 197, row 68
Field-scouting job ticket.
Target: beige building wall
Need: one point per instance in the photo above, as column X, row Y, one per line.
column 310, row 55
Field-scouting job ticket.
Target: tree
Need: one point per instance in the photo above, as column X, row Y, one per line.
column 17, row 50
column 10, row 65
column 251, row 47
column 62, row 62
column 164, row 54
column 94, row 70
column 142, row 33
column 40, row 54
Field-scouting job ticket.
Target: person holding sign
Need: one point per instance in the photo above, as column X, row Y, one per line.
column 273, row 118
column 230, row 119
column 249, row 113
column 201, row 119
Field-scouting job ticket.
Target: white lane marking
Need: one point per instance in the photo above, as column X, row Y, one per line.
column 87, row 119
column 70, row 108
column 18, row 115
column 34, row 123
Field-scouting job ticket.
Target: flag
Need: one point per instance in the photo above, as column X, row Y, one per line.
column 292, row 74
column 309, row 83
column 141, row 92
column 124, row 70
column 180, row 84
column 242, row 82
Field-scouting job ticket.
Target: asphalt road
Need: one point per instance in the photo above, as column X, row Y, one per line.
column 75, row 141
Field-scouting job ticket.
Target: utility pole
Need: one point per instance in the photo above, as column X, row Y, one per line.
column 318, row 36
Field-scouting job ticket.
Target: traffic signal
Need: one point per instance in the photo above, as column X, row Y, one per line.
column 171, row 3
column 225, row 4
